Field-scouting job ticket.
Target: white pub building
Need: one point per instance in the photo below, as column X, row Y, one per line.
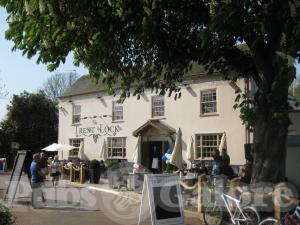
column 88, row 116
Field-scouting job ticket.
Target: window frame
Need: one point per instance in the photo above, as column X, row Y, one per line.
column 71, row 152
column 161, row 106
column 77, row 121
column 201, row 146
column 208, row 102
column 113, row 111
column 110, row 148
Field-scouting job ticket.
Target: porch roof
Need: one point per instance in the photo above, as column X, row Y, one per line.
column 156, row 124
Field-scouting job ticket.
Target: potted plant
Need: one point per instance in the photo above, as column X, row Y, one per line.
column 94, row 169
column 112, row 171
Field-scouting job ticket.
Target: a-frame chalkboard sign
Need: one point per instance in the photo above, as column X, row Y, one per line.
column 162, row 198
column 15, row 177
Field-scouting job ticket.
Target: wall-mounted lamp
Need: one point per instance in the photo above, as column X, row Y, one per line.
column 186, row 84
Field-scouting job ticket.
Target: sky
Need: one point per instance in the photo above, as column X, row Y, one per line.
column 18, row 73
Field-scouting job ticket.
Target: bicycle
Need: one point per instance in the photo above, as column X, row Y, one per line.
column 286, row 220
column 214, row 214
column 289, row 218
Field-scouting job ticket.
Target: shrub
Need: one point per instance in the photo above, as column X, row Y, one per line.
column 169, row 168
column 94, row 164
column 5, row 215
column 113, row 165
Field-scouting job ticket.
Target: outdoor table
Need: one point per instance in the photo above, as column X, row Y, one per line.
column 190, row 179
column 135, row 181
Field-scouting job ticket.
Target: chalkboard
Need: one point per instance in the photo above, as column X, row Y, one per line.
column 162, row 209
column 162, row 194
column 15, row 176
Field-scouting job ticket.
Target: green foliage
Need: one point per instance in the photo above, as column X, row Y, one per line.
column 94, row 164
column 169, row 168
column 113, row 164
column 294, row 90
column 31, row 120
column 6, row 217
column 153, row 43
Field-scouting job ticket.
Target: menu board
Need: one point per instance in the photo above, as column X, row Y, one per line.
column 15, row 176
column 162, row 194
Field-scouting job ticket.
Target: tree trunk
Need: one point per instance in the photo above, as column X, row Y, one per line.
column 269, row 151
column 271, row 114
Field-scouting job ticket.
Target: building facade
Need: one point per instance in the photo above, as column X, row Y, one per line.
column 88, row 116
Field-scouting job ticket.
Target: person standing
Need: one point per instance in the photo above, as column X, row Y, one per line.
column 55, row 170
column 36, row 180
column 102, row 168
column 155, row 161
column 43, row 164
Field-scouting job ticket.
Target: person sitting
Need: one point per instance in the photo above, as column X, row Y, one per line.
column 226, row 168
column 216, row 163
column 246, row 172
column 203, row 168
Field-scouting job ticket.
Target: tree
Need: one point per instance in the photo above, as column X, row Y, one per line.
column 152, row 43
column 31, row 121
column 3, row 91
column 57, row 84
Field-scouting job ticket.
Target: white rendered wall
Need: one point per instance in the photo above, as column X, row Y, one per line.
column 183, row 113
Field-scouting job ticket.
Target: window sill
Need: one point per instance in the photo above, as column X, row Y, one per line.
column 118, row 121
column 116, row 158
column 204, row 159
column 209, row 114
column 158, row 118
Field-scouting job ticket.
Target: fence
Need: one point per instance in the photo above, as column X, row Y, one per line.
column 73, row 173
column 276, row 199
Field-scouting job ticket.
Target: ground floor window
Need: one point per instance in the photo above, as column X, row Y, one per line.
column 76, row 143
column 116, row 147
column 206, row 144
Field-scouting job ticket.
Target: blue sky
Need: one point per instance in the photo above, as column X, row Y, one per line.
column 19, row 73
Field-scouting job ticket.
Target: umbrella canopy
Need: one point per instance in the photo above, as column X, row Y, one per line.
column 190, row 156
column 58, row 147
column 81, row 151
column 176, row 157
column 63, row 147
column 223, row 144
column 137, row 152
column 104, row 153
column 50, row 148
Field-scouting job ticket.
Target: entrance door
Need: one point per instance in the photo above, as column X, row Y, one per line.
column 148, row 153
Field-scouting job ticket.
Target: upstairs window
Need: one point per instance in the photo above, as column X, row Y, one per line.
column 117, row 113
column 158, row 106
column 76, row 114
column 208, row 102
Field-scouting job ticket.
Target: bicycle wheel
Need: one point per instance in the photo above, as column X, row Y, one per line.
column 269, row 221
column 252, row 216
column 213, row 215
